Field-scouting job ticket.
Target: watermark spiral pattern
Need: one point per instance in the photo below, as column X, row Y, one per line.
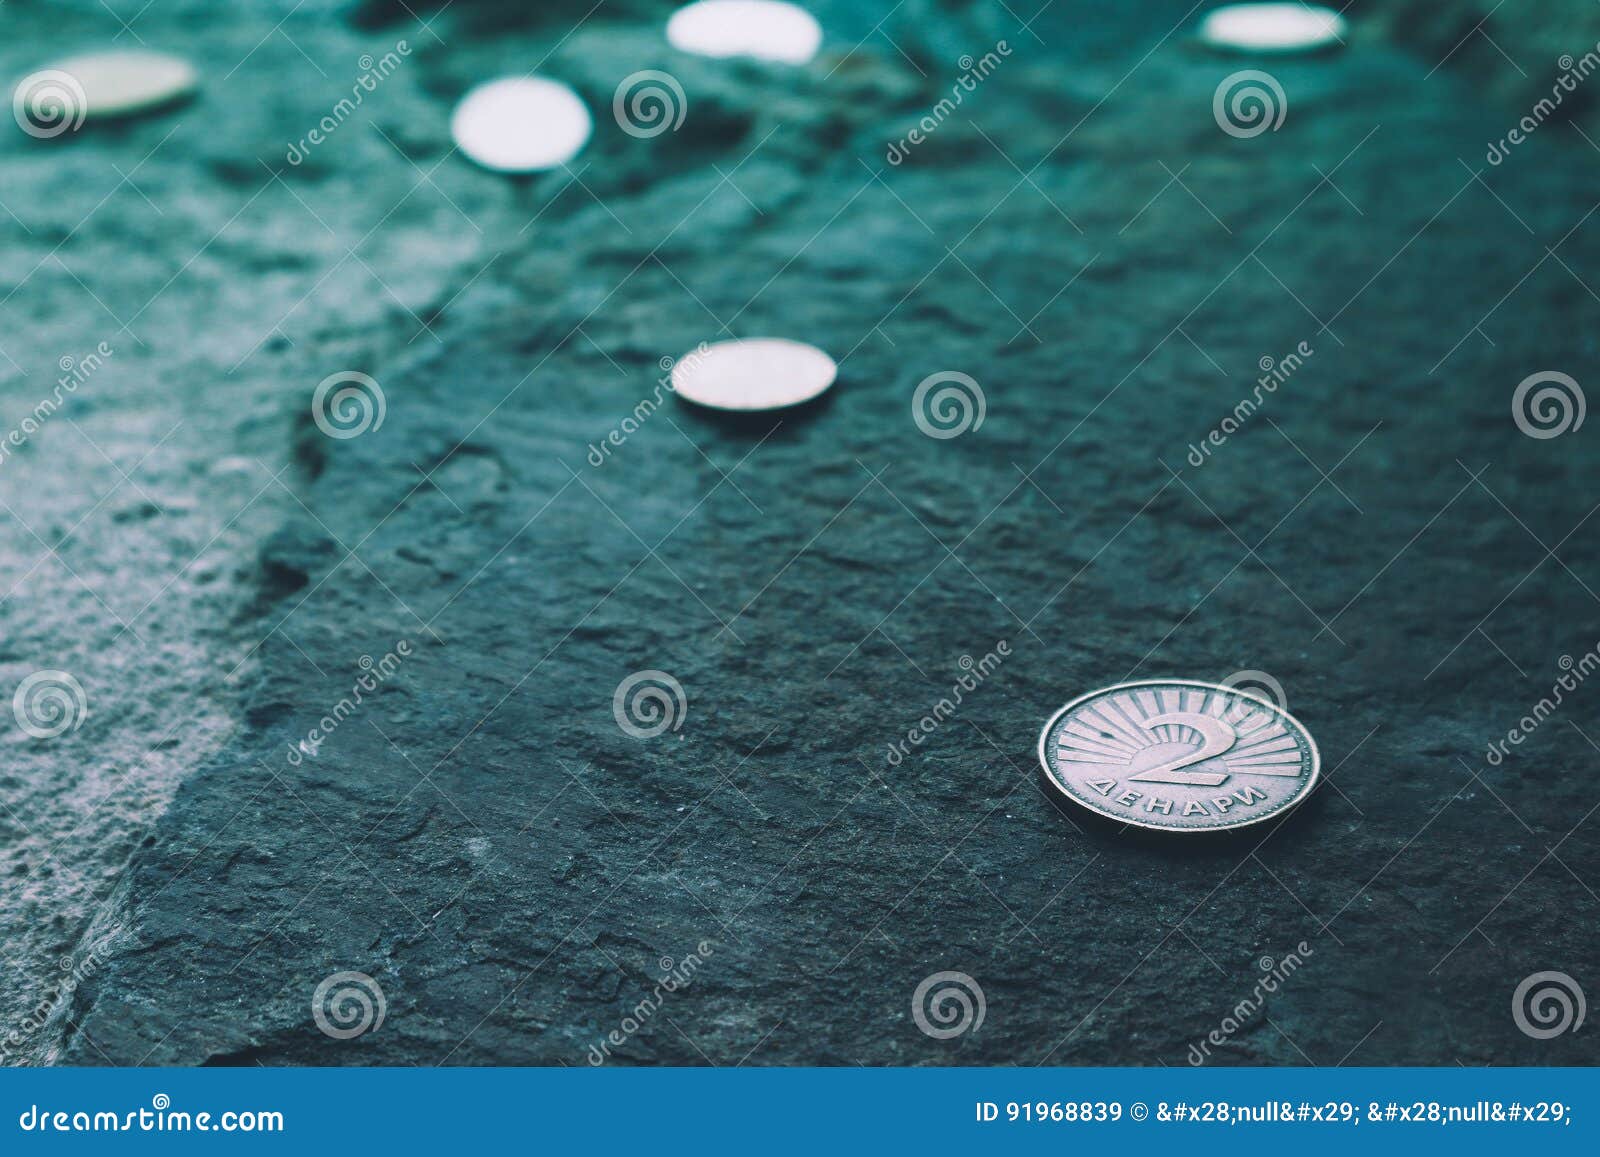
column 1548, row 404
column 948, row 404
column 648, row 703
column 948, row 1004
column 1548, row 1004
column 1248, row 103
column 348, row 404
column 1257, row 684
column 348, row 1004
column 648, row 103
column 49, row 703
column 49, row 103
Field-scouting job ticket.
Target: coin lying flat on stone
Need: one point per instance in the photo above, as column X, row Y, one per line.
column 763, row 373
column 119, row 82
column 521, row 124
column 763, row 29
column 1179, row 756
column 1273, row 28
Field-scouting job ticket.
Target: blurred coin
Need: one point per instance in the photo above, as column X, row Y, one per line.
column 764, row 29
column 1179, row 755
column 119, row 82
column 765, row 373
column 521, row 124
column 1272, row 27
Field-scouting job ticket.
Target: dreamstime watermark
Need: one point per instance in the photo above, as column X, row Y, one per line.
column 1273, row 974
column 1573, row 73
column 648, row 103
column 1248, row 103
column 1548, row 1004
column 49, row 703
column 160, row 1117
column 74, row 372
column 55, row 997
column 1273, row 374
column 348, row 404
column 630, row 424
column 348, row 1004
column 374, row 674
column 1576, row 672
column 1548, row 404
column 648, row 703
column 948, row 404
column 49, row 103
column 676, row 975
column 948, row 1004
column 373, row 73
column 973, row 73
column 975, row 671
column 1252, row 684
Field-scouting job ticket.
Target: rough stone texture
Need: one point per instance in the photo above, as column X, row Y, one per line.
column 513, row 869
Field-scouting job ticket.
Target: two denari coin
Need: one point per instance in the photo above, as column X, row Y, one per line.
column 1178, row 755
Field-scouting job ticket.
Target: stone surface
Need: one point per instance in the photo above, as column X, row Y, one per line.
column 512, row 867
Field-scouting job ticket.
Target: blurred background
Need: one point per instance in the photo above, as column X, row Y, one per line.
column 201, row 570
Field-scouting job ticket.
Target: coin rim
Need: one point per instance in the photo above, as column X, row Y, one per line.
column 1310, row 784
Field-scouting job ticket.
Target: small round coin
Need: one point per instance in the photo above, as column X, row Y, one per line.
column 762, row 29
column 521, row 124
column 1272, row 28
column 122, row 82
column 1178, row 755
column 762, row 373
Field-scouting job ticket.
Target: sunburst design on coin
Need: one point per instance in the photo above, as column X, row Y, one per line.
column 1179, row 755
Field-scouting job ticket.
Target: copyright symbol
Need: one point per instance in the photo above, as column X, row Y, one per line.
column 1139, row 1112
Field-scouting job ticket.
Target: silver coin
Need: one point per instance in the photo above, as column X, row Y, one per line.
column 763, row 29
column 1272, row 28
column 762, row 373
column 521, row 124
column 122, row 82
column 1178, row 755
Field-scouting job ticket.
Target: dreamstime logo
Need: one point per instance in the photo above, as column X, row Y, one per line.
column 948, row 1004
column 1573, row 73
column 648, row 703
column 1274, row 373
column 49, row 103
column 974, row 672
column 649, row 103
column 373, row 73
column 53, row 999
column 1274, row 973
column 1254, row 685
column 1248, row 103
column 49, row 703
column 1548, row 1004
column 973, row 73
column 74, row 373
column 1548, row 404
column 374, row 673
column 348, row 1004
column 348, row 404
column 600, row 451
column 676, row 975
column 948, row 404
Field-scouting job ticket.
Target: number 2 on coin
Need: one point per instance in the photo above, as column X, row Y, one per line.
column 1217, row 737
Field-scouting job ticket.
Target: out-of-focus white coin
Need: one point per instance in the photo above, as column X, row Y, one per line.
column 521, row 124
column 1272, row 27
column 764, row 29
column 763, row 373
column 116, row 83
